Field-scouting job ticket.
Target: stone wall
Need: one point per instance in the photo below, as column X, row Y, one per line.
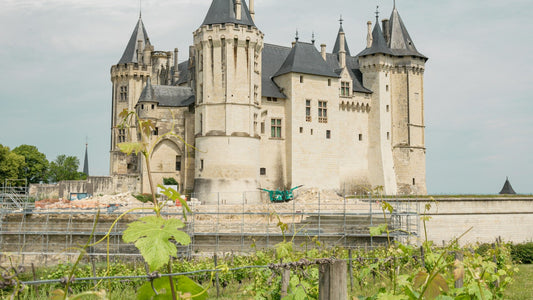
column 93, row 186
column 490, row 218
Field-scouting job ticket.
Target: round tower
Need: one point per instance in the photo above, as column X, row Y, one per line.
column 228, row 49
column 129, row 78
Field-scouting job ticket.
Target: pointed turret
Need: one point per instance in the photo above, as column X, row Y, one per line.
column 507, row 188
column 379, row 45
column 337, row 46
column 400, row 42
column 134, row 47
column 147, row 94
column 228, row 11
column 86, row 161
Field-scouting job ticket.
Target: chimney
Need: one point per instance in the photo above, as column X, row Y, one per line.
column 323, row 51
column 342, row 51
column 369, row 38
column 252, row 10
column 139, row 52
column 238, row 9
column 386, row 30
column 176, row 67
column 169, row 58
column 147, row 55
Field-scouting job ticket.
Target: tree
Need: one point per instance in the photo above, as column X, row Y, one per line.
column 10, row 164
column 36, row 164
column 65, row 168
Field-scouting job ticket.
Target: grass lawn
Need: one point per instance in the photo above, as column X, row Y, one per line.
column 522, row 287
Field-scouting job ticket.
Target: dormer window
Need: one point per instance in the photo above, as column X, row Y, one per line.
column 345, row 89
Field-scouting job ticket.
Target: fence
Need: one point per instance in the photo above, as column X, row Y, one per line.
column 225, row 227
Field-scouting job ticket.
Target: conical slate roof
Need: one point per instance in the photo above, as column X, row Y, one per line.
column 400, row 42
column 147, row 95
column 139, row 33
column 86, row 162
column 167, row 96
column 305, row 58
column 337, row 47
column 223, row 11
column 507, row 188
column 379, row 45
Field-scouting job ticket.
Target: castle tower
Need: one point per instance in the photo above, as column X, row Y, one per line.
column 376, row 63
column 393, row 69
column 228, row 49
column 129, row 78
column 407, row 108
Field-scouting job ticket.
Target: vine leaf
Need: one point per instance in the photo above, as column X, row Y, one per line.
column 434, row 287
column 183, row 285
column 152, row 236
column 378, row 230
column 129, row 148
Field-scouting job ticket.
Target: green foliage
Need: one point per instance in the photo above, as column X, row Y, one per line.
column 170, row 181
column 36, row 164
column 65, row 168
column 185, row 286
column 11, row 164
column 152, row 235
column 144, row 198
column 522, row 253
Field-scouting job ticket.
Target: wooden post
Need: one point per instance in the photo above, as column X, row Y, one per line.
column 350, row 268
column 332, row 281
column 285, row 279
column 93, row 265
column 35, row 279
column 459, row 282
column 216, row 276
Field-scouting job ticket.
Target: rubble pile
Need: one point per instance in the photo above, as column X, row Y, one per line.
column 124, row 200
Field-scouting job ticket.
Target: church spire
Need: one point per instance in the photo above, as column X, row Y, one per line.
column 86, row 160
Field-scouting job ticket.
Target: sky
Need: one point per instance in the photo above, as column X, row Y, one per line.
column 56, row 55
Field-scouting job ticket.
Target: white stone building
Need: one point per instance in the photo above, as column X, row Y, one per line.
column 270, row 116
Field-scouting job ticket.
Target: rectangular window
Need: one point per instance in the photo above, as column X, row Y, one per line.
column 388, row 108
column 262, row 171
column 178, row 163
column 256, row 93
column 262, row 127
column 345, row 89
column 255, row 124
column 301, row 79
column 328, row 134
column 275, row 128
column 156, row 131
column 329, row 82
column 388, row 135
column 122, row 135
column 308, row 110
column 360, row 137
column 322, row 112
column 201, row 164
column 123, row 93
column 301, row 130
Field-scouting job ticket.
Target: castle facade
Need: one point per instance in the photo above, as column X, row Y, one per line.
column 268, row 116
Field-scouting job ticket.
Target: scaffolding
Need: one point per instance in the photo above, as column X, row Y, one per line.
column 240, row 228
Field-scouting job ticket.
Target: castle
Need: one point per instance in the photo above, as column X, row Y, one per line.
column 269, row 116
